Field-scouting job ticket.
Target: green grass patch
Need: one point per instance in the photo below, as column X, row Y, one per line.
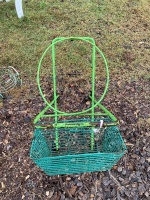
column 120, row 29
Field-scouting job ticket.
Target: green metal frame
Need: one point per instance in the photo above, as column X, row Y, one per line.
column 81, row 144
column 53, row 104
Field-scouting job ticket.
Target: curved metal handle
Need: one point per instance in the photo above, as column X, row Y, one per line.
column 55, row 41
column 12, row 68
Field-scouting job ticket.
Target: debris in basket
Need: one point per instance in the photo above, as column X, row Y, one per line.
column 71, row 141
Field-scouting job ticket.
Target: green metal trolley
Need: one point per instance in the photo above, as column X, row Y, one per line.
column 75, row 142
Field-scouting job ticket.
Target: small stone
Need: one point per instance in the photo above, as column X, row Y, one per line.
column 47, row 193
column 3, row 185
column 148, row 159
column 88, row 103
column 68, row 178
column 138, row 173
column 79, row 184
column 121, row 179
column 6, row 141
column 119, row 169
column 10, row 112
column 92, row 196
column 146, row 194
column 142, row 160
column 106, row 181
column 62, row 197
column 76, row 180
column 8, row 147
column 124, row 172
column 134, row 185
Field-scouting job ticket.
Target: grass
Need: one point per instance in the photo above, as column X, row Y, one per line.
column 120, row 28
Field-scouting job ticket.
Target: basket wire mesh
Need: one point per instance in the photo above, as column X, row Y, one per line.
column 75, row 149
column 9, row 78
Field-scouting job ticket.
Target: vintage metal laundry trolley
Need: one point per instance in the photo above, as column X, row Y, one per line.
column 87, row 140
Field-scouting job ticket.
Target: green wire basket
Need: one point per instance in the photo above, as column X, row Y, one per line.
column 9, row 78
column 86, row 142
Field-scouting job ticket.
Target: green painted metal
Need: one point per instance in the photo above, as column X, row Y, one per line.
column 78, row 124
column 75, row 154
column 54, row 42
column 89, row 142
column 41, row 114
column 113, row 118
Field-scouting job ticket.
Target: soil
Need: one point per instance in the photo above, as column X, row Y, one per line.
column 128, row 179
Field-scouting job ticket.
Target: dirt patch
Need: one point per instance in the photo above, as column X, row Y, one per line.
column 21, row 179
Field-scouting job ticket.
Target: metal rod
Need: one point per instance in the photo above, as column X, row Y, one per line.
column 74, row 124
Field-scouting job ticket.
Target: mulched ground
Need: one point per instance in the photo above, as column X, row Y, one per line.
column 129, row 179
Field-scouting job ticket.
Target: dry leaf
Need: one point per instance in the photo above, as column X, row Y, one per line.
column 3, row 185
column 27, row 177
column 129, row 144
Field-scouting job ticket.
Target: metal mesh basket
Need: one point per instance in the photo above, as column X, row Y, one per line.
column 79, row 149
column 9, row 78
